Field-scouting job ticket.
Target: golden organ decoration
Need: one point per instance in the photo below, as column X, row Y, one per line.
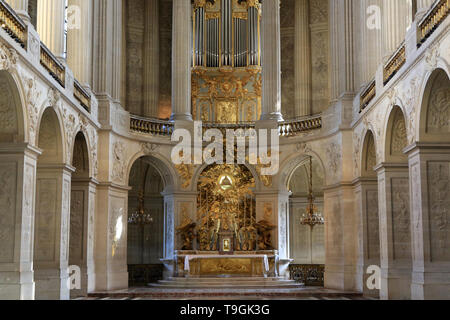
column 226, row 73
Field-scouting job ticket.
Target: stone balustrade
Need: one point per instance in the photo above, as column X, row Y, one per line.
column 12, row 24
column 151, row 126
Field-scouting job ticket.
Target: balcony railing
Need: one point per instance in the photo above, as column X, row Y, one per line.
column 53, row 66
column 224, row 127
column 12, row 24
column 297, row 126
column 394, row 64
column 432, row 20
column 151, row 126
column 367, row 95
column 82, row 95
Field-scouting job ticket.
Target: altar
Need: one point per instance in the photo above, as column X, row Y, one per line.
column 239, row 264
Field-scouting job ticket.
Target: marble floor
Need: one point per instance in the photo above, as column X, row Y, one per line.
column 305, row 293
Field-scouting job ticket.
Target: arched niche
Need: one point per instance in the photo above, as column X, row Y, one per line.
column 369, row 156
column 434, row 124
column 145, row 242
column 11, row 111
column 52, row 211
column 307, row 245
column 82, row 201
column 50, row 139
column 396, row 137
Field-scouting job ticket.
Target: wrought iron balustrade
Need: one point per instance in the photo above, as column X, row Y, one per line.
column 83, row 97
column 12, row 24
column 394, row 64
column 367, row 95
column 292, row 127
column 53, row 66
column 151, row 126
column 432, row 20
column 311, row 275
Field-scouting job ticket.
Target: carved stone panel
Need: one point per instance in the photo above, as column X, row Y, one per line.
column 373, row 229
column 439, row 208
column 401, row 219
column 8, row 174
column 45, row 221
column 76, row 226
column 8, row 115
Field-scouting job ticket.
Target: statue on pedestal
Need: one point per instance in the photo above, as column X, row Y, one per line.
column 186, row 229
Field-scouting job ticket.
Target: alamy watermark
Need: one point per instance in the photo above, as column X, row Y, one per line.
column 261, row 151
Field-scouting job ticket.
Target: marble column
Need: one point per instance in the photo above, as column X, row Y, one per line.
column 50, row 25
column 366, row 193
column 429, row 168
column 341, row 270
column 341, row 49
column 303, row 80
column 274, row 207
column 79, row 41
column 21, row 8
column 181, row 61
column 151, row 59
column 395, row 235
column 107, row 58
column 371, row 40
column 271, row 61
column 397, row 17
column 81, row 249
column 51, row 232
column 111, row 222
column 17, row 202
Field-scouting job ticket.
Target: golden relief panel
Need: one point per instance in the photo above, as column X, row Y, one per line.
column 235, row 95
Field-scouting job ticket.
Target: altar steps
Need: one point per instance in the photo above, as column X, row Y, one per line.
column 227, row 283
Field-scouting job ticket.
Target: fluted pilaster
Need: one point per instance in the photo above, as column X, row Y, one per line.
column 21, row 8
column 50, row 25
column 341, row 48
column 181, row 62
column 79, row 41
column 107, row 54
column 371, row 40
column 271, row 61
column 397, row 17
column 151, row 59
column 424, row 4
column 303, row 79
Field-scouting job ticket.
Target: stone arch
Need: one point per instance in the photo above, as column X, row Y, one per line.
column 434, row 114
column 396, row 137
column 50, row 137
column 290, row 164
column 198, row 172
column 80, row 156
column 145, row 242
column 12, row 115
column 163, row 166
column 368, row 154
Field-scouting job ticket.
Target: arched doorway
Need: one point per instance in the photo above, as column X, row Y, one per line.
column 366, row 191
column 307, row 244
column 429, row 168
column 17, row 182
column 82, row 198
column 145, row 240
column 394, row 210
column 51, row 228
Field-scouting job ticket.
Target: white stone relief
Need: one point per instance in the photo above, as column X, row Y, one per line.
column 7, row 211
column 411, row 97
column 439, row 206
column 8, row 58
column 8, row 114
column 119, row 165
column 334, row 158
column 439, row 109
column 401, row 218
column 32, row 97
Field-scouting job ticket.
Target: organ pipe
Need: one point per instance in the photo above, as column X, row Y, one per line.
column 230, row 37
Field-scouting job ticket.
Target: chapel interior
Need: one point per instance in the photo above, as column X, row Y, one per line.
column 92, row 205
